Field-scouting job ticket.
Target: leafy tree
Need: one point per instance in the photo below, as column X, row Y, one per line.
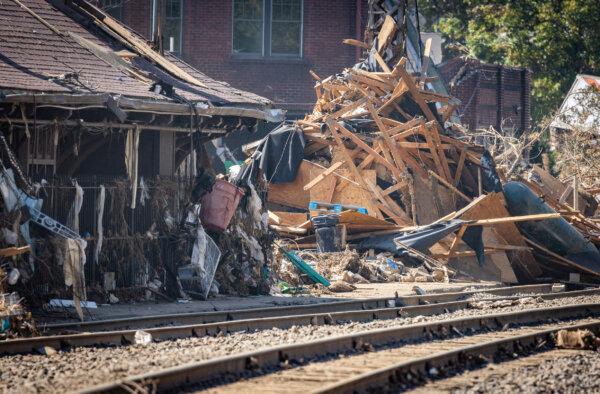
column 555, row 39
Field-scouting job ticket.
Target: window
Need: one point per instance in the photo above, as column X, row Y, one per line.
column 172, row 24
column 267, row 28
column 248, row 26
column 113, row 8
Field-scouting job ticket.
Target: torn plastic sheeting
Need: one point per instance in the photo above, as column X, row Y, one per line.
column 421, row 239
column 278, row 156
column 489, row 176
column 556, row 235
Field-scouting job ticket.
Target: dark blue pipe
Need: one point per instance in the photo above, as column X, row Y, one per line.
column 556, row 235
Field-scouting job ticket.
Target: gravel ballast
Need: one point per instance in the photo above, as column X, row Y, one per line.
column 555, row 371
column 84, row 367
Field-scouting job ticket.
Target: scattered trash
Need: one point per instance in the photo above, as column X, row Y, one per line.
column 142, row 337
column 577, row 339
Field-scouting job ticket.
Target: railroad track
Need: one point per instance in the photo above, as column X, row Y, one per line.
column 143, row 322
column 367, row 361
column 126, row 337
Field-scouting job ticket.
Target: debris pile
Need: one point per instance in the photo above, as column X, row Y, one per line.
column 380, row 160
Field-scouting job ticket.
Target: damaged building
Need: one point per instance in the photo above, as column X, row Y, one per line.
column 103, row 157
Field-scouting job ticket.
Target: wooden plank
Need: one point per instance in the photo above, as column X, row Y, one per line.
column 414, row 91
column 364, row 146
column 356, row 43
column 456, row 240
column 357, row 218
column 273, row 218
column 514, row 219
column 289, row 219
column 322, row 175
column 396, row 153
column 434, row 131
column 382, row 63
column 289, row 230
column 323, row 191
column 138, row 45
column 348, row 108
column 433, row 149
column 450, row 187
column 386, row 33
column 426, row 54
column 461, row 165
column 358, row 177
column 393, row 188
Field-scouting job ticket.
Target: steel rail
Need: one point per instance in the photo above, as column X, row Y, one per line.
column 337, row 306
column 210, row 371
column 125, row 337
column 417, row 370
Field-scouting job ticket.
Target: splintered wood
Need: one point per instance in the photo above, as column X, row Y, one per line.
column 380, row 149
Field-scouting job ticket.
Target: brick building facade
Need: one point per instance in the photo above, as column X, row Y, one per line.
column 207, row 32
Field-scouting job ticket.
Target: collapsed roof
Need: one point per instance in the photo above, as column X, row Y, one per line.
column 56, row 51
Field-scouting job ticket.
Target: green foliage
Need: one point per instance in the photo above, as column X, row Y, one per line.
column 555, row 39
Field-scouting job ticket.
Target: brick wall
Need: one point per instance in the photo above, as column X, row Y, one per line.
column 207, row 45
column 491, row 95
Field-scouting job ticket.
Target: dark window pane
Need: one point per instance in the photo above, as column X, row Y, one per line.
column 172, row 29
column 285, row 38
column 113, row 8
column 248, row 26
column 247, row 37
column 286, row 27
column 173, row 9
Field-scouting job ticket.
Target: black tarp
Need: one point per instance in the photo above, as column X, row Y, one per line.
column 489, row 176
column 278, row 156
column 423, row 238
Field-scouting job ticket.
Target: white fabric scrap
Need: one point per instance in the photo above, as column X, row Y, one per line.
column 99, row 226
column 132, row 143
column 73, row 217
column 73, row 263
column 144, row 192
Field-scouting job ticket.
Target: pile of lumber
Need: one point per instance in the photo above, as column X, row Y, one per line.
column 381, row 139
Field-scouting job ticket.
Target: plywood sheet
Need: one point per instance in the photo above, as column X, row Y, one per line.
column 291, row 219
column 323, row 191
column 433, row 200
column 291, row 194
column 346, row 193
column 492, row 206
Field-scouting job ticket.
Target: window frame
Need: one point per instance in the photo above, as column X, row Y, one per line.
column 119, row 6
column 298, row 55
column 267, row 34
column 181, row 35
column 263, row 38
